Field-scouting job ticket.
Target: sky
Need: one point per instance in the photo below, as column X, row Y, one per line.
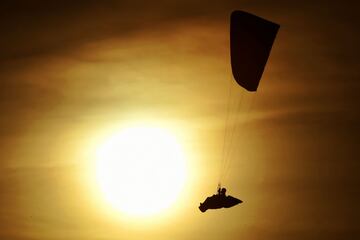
column 72, row 72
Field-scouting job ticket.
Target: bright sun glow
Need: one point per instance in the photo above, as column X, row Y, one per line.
column 141, row 170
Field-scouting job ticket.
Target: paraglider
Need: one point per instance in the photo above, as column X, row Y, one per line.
column 251, row 40
column 219, row 200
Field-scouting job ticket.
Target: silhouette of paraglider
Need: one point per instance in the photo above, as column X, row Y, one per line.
column 251, row 40
column 219, row 200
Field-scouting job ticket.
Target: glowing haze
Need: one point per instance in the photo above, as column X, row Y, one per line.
column 141, row 170
column 74, row 73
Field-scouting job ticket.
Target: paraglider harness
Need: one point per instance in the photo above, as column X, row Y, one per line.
column 219, row 200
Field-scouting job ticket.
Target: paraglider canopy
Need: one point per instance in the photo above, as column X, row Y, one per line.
column 251, row 39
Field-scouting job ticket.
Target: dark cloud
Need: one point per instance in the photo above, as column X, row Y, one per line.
column 40, row 27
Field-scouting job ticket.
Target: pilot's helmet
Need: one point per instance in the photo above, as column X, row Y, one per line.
column 223, row 190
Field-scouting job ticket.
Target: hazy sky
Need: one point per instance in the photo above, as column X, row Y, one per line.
column 71, row 72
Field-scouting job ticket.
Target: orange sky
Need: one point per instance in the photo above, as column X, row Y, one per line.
column 72, row 72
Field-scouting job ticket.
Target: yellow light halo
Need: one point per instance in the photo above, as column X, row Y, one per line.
column 141, row 170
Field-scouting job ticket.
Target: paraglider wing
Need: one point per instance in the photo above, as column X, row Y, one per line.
column 251, row 39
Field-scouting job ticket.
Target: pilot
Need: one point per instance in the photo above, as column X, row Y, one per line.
column 221, row 191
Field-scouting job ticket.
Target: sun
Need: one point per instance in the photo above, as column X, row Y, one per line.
column 141, row 170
